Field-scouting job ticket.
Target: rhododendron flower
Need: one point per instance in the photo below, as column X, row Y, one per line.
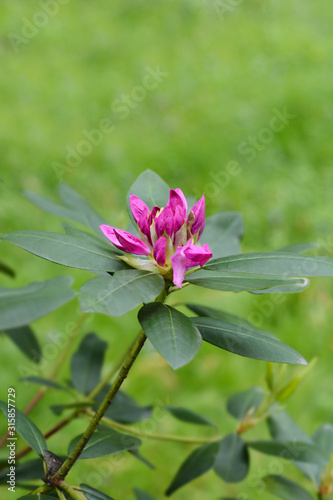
column 167, row 237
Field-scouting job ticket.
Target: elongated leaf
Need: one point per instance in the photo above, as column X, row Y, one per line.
column 20, row 306
column 197, row 463
column 136, row 453
column 274, row 263
column 101, row 240
column 54, row 208
column 44, row 382
column 284, row 428
column 172, row 333
column 116, row 295
column 142, row 495
column 27, row 429
column 151, row 189
column 232, row 461
column 223, row 233
column 323, row 438
column 105, row 443
column 58, row 409
column 124, row 409
column 298, row 247
column 239, row 404
column 243, row 282
column 26, row 341
column 210, row 312
column 87, row 362
column 246, row 342
column 6, row 270
column 285, row 488
column 81, row 207
column 93, row 494
column 188, row 416
column 33, row 469
column 71, row 251
column 293, row 286
column 290, row 450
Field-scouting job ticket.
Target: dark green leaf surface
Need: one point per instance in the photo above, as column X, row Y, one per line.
column 142, row 495
column 54, row 208
column 105, row 443
column 80, row 252
column 44, row 382
column 290, row 450
column 246, row 342
column 87, row 362
column 33, row 469
column 274, row 263
column 101, row 240
column 21, row 306
column 26, row 341
column 188, row 416
column 285, row 488
column 93, row 494
column 223, row 232
column 124, row 409
column 116, row 295
column 295, row 285
column 232, row 461
column 197, row 463
column 239, row 404
column 241, row 282
column 153, row 190
column 27, row 430
column 6, row 270
column 172, row 333
column 323, row 438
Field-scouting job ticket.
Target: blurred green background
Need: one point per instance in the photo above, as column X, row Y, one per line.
column 223, row 70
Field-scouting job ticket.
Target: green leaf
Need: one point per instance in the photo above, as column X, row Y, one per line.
column 290, row 450
column 246, row 342
column 197, row 463
column 152, row 190
column 274, row 263
column 105, row 443
column 87, row 362
column 232, row 461
column 20, row 306
column 136, row 453
column 74, row 231
column 223, row 233
column 285, row 488
column 210, row 312
column 44, row 381
column 239, row 404
column 295, row 285
column 116, row 295
column 172, row 333
column 124, row 409
column 284, row 428
column 323, row 438
column 243, row 282
column 298, row 247
column 54, row 208
column 6, row 270
column 81, row 207
column 71, row 251
column 93, row 494
column 26, row 341
column 142, row 495
column 35, row 497
column 189, row 416
column 33, row 469
column 27, row 429
column 58, row 409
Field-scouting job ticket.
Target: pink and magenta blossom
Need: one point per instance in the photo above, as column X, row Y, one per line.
column 167, row 236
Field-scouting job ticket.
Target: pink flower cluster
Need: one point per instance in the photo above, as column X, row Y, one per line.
column 167, row 236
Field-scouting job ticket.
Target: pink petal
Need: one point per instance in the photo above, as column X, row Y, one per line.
column 199, row 217
column 108, row 231
column 197, row 256
column 178, row 266
column 177, row 198
column 179, row 218
column 153, row 214
column 143, row 223
column 137, row 207
column 164, row 222
column 131, row 244
column 159, row 251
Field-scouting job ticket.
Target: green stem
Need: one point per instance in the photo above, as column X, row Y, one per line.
column 151, row 435
column 74, row 493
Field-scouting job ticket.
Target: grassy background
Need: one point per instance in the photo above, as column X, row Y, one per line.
column 227, row 74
